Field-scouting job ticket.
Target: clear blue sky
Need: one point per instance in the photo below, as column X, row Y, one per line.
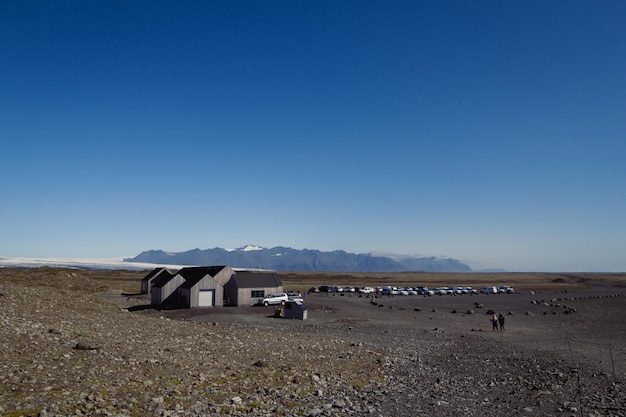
column 493, row 132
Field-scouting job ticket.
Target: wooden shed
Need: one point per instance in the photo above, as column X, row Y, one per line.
column 203, row 286
column 248, row 288
column 163, row 289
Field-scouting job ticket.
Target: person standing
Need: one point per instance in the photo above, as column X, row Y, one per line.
column 494, row 322
column 501, row 322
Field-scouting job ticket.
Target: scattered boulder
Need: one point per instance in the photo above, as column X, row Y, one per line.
column 85, row 346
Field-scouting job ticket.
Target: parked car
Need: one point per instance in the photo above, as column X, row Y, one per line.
column 443, row 291
column 273, row 299
column 469, row 290
column 314, row 290
column 505, row 289
column 425, row 291
column 489, row 290
column 295, row 296
column 366, row 290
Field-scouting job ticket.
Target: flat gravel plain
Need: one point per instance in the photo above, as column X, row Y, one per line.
column 72, row 345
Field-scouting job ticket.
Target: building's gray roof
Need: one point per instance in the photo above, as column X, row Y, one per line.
column 163, row 278
column 153, row 273
column 194, row 275
column 255, row 280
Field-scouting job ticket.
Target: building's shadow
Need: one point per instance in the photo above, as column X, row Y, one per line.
column 140, row 307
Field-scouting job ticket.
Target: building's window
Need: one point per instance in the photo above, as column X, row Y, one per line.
column 258, row 293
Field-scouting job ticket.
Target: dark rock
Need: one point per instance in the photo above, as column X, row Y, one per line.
column 85, row 346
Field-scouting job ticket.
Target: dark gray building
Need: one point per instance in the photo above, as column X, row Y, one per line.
column 248, row 288
column 203, row 286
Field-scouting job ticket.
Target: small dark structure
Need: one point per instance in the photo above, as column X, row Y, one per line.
column 295, row 310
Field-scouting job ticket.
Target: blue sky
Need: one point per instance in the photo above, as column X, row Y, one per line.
column 493, row 132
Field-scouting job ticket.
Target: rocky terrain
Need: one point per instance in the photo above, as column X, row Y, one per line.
column 74, row 346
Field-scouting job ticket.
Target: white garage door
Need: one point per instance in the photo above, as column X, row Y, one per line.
column 205, row 298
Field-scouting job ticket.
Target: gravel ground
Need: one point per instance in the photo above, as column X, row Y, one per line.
column 72, row 346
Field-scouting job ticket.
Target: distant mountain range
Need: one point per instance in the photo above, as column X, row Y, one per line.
column 282, row 258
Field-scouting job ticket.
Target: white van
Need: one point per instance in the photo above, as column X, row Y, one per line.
column 278, row 298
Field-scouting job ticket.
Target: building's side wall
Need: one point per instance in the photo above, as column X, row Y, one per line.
column 146, row 283
column 184, row 295
column 244, row 295
column 207, row 283
column 160, row 295
column 224, row 275
column 230, row 294
column 155, row 296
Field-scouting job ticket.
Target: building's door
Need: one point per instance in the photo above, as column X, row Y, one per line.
column 205, row 298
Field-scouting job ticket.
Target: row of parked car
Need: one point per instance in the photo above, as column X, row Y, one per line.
column 425, row 291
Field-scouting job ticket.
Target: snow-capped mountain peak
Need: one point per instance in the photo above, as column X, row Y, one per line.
column 249, row 248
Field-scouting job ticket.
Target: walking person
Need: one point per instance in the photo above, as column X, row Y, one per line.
column 501, row 322
column 494, row 322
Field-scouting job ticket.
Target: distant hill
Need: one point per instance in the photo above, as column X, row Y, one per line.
column 281, row 258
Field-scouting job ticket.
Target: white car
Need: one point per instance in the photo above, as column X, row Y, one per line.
column 443, row 291
column 366, row 290
column 469, row 290
column 273, row 299
column 505, row 289
column 295, row 296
